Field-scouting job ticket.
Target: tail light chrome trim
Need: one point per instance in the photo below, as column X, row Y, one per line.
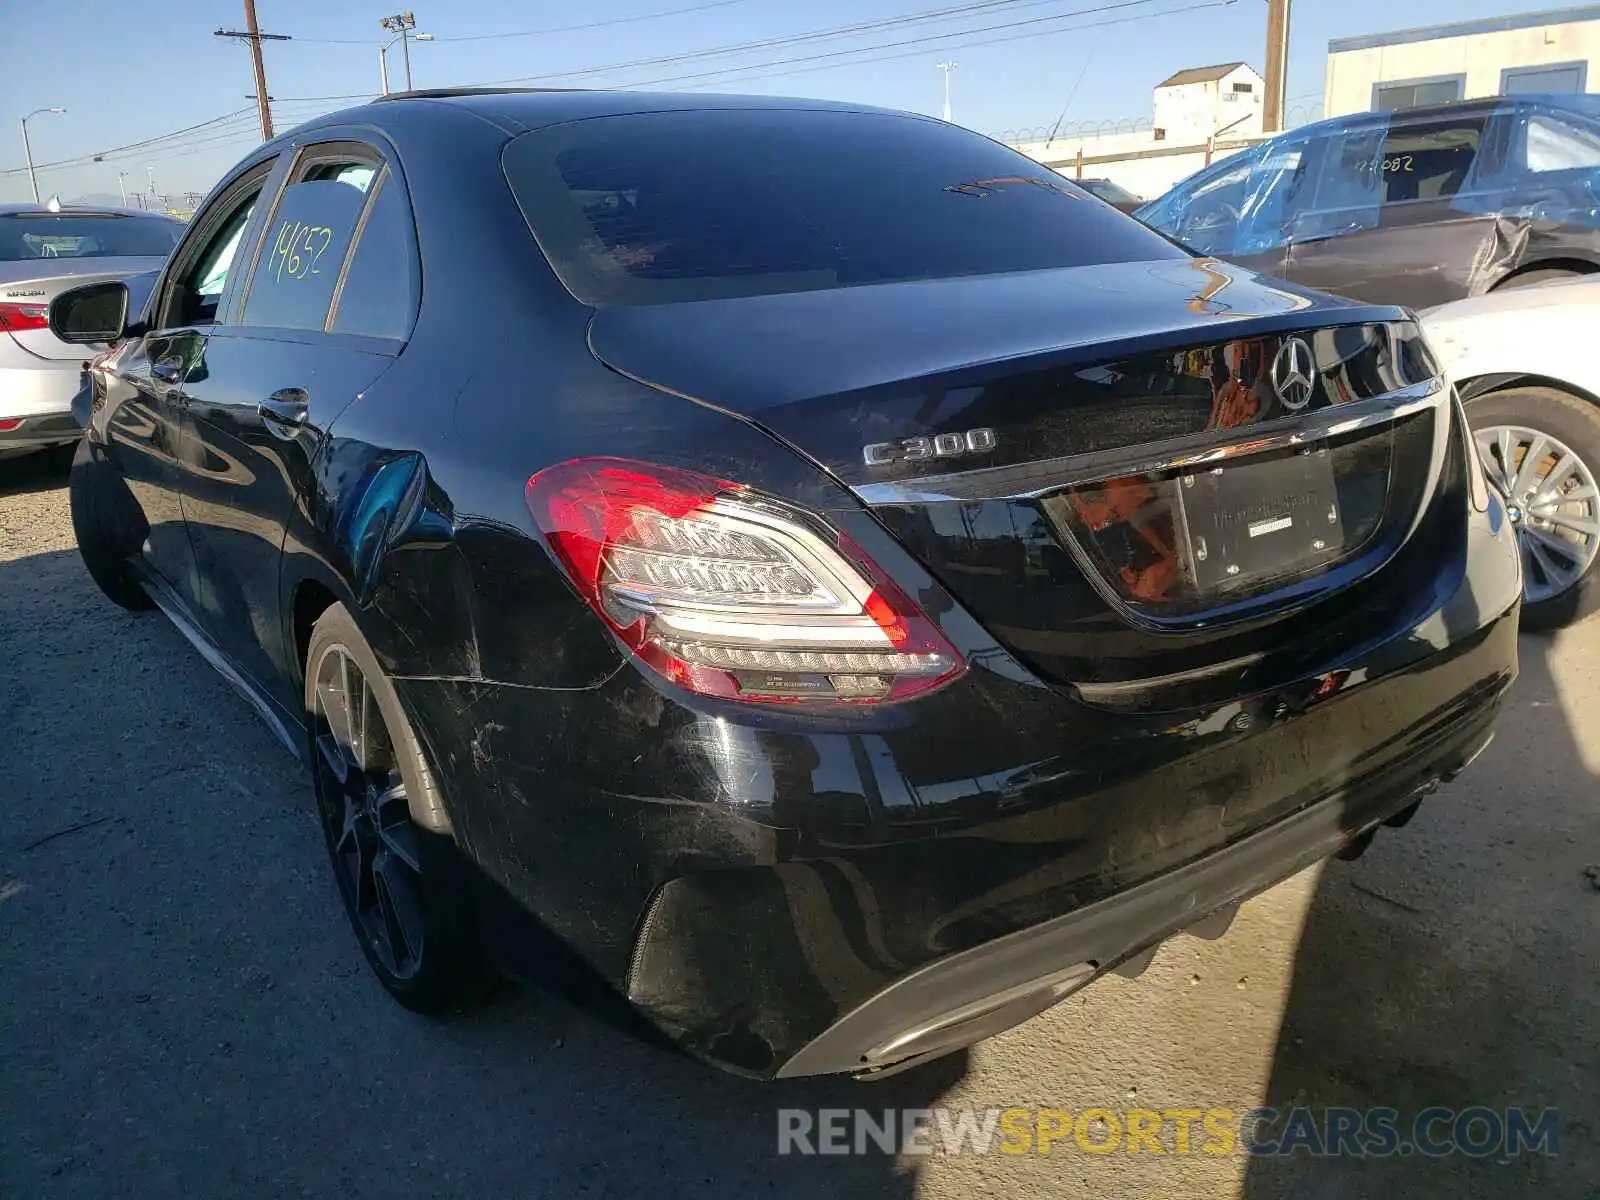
column 1035, row 480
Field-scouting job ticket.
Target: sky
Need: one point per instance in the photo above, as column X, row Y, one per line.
column 1021, row 63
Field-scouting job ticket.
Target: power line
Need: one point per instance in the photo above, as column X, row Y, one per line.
column 813, row 35
column 942, row 37
column 1015, row 37
column 85, row 159
column 522, row 33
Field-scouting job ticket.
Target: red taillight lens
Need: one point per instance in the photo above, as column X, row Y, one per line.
column 17, row 318
column 728, row 593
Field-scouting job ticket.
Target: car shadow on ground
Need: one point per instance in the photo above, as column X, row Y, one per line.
column 186, row 1012
column 1439, row 970
column 42, row 471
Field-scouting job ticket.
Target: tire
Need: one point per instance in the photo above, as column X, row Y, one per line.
column 1535, row 277
column 1575, row 425
column 108, row 526
column 406, row 890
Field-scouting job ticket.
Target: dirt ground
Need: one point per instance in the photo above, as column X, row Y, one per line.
column 183, row 1010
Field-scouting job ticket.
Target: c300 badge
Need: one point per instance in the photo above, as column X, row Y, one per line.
column 940, row 445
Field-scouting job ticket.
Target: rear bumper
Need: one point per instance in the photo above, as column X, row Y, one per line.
column 39, row 400
column 969, row 996
column 788, row 895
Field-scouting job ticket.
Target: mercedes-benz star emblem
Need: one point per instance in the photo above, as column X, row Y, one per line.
column 1293, row 373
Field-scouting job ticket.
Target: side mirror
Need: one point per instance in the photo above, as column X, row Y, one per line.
column 96, row 312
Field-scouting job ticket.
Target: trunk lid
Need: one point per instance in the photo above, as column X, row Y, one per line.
column 1127, row 472
column 40, row 280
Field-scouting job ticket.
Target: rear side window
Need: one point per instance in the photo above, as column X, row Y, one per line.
column 379, row 295
column 675, row 206
column 45, row 235
column 1428, row 162
column 305, row 247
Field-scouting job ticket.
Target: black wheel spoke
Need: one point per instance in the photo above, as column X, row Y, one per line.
column 375, row 847
column 402, row 915
column 334, row 755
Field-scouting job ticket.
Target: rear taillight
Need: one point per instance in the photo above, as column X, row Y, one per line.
column 731, row 594
column 18, row 318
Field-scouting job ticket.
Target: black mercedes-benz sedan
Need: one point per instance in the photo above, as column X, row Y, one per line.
column 845, row 587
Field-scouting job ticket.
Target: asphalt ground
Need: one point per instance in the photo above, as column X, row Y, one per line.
column 184, row 1011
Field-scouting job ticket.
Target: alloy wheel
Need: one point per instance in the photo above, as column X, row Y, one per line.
column 1553, row 503
column 362, row 799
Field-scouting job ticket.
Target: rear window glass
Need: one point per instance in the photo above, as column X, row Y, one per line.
column 660, row 207
column 46, row 235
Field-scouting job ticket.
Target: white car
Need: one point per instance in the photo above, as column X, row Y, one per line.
column 1527, row 365
column 44, row 250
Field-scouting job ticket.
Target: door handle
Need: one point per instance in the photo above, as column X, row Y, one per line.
column 285, row 411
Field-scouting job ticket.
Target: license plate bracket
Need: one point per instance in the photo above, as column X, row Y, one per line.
column 1265, row 519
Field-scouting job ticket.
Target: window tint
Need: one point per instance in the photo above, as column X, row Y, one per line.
column 1555, row 145
column 305, row 247
column 1428, row 162
column 44, row 235
column 192, row 299
column 658, row 207
column 379, row 296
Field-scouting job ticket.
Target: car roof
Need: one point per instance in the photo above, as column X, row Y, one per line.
column 75, row 210
column 1478, row 105
column 522, row 109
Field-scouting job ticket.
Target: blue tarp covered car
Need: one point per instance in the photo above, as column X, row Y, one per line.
column 1418, row 206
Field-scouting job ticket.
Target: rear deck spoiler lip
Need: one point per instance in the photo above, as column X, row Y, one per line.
column 1034, row 480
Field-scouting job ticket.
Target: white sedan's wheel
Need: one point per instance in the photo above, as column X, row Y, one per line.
column 1541, row 450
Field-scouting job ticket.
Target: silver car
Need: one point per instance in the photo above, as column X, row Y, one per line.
column 46, row 249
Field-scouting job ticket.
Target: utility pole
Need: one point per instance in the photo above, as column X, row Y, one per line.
column 252, row 33
column 1277, row 64
column 122, row 187
column 947, row 66
column 402, row 24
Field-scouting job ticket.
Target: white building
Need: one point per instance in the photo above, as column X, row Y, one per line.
column 1198, row 114
column 1200, row 102
column 1554, row 51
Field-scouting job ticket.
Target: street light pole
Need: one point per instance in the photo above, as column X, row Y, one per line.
column 27, row 150
column 401, row 24
column 383, row 58
column 947, row 66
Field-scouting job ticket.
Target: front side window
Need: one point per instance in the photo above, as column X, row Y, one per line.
column 1346, row 187
column 670, row 206
column 1241, row 205
column 305, row 246
column 194, row 296
column 25, row 236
